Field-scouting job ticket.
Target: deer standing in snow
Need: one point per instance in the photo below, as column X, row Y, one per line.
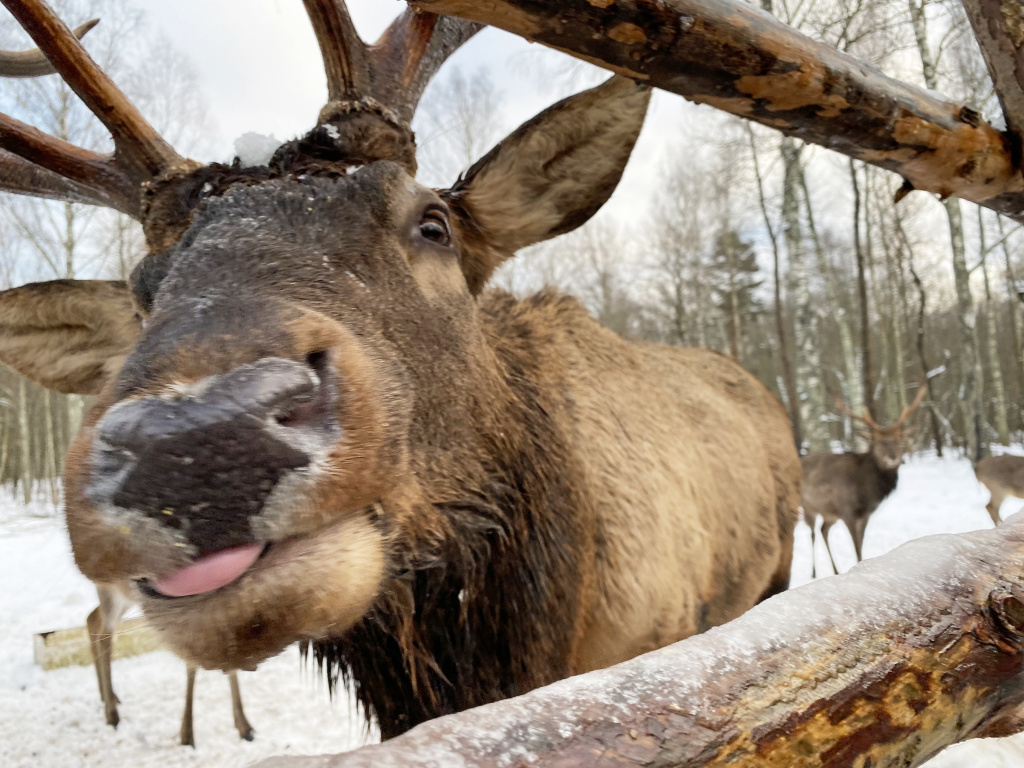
column 1004, row 477
column 850, row 486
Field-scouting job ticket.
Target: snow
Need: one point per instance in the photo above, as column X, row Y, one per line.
column 256, row 148
column 55, row 718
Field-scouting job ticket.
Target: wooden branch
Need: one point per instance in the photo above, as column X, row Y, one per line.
column 88, row 169
column 142, row 150
column 736, row 57
column 21, row 177
column 33, row 63
column 885, row 666
column 342, row 50
column 999, row 28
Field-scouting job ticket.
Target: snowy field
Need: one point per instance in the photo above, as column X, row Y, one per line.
column 56, row 719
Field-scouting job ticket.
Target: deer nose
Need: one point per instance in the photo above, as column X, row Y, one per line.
column 203, row 458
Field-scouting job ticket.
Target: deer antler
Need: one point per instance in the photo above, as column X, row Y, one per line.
column 379, row 84
column 922, row 391
column 866, row 418
column 33, row 63
column 140, row 154
column 410, row 52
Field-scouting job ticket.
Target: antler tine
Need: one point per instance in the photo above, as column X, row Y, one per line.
column 412, row 50
column 20, row 177
column 42, row 155
column 343, row 51
column 922, row 391
column 865, row 419
column 33, row 63
column 138, row 146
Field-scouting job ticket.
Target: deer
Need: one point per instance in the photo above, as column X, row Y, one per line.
column 851, row 486
column 101, row 623
column 315, row 423
column 1003, row 476
column 113, row 602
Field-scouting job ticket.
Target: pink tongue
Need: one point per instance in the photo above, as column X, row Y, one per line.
column 210, row 572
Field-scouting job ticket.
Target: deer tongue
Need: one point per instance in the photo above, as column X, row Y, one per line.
column 209, row 572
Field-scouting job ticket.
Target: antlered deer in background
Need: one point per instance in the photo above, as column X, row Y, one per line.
column 101, row 623
column 314, row 423
column 850, row 486
column 1004, row 477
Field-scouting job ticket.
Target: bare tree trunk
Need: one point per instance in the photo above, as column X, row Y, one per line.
column 995, row 368
column 835, row 304
column 883, row 666
column 24, row 441
column 734, row 309
column 970, row 364
column 808, row 361
column 1015, row 322
column 50, row 469
column 919, row 339
column 867, row 387
column 785, row 361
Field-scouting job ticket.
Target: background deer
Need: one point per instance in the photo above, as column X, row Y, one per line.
column 1004, row 477
column 101, row 623
column 314, row 423
column 850, row 486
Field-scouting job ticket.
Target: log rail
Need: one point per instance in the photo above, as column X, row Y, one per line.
column 740, row 59
column 883, row 666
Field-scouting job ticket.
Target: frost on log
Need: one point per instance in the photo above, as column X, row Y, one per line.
column 882, row 666
column 734, row 56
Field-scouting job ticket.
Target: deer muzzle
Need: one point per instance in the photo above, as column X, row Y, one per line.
column 195, row 464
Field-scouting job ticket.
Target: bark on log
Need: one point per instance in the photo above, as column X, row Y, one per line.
column 999, row 28
column 734, row 56
column 882, row 666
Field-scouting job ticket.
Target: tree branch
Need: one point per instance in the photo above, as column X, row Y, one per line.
column 887, row 664
column 999, row 28
column 735, row 57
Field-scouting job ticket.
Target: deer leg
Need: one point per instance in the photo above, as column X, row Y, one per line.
column 993, row 506
column 187, row 737
column 100, row 642
column 857, row 533
column 824, row 537
column 245, row 730
column 814, row 565
column 101, row 624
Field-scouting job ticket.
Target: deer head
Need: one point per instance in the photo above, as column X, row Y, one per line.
column 886, row 443
column 300, row 367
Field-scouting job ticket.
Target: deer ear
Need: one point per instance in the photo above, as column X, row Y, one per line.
column 68, row 335
column 548, row 177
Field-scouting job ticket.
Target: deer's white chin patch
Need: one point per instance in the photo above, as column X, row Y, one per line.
column 209, row 572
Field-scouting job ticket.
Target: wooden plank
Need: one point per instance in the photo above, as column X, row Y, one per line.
column 68, row 647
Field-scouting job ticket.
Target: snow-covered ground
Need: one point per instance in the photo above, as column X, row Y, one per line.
column 55, row 718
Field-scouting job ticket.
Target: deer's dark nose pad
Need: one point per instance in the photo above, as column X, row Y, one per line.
column 204, row 459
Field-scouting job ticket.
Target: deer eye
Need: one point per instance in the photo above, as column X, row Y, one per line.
column 434, row 227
